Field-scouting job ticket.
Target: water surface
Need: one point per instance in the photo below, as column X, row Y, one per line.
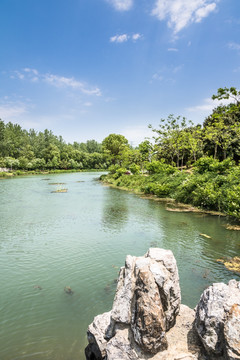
column 80, row 239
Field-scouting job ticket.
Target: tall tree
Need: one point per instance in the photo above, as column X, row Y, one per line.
column 114, row 145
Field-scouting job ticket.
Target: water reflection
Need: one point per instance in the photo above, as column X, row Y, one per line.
column 115, row 210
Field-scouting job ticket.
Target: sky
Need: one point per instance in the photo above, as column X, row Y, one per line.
column 88, row 68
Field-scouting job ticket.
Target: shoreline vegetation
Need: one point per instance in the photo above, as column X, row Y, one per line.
column 191, row 164
column 14, row 173
column 211, row 187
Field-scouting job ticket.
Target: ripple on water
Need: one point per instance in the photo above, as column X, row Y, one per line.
column 81, row 240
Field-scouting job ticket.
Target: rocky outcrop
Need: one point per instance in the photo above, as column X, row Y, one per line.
column 218, row 320
column 147, row 320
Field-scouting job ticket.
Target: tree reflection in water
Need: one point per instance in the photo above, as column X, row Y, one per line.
column 115, row 210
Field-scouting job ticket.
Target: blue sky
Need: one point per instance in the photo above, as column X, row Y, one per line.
column 88, row 68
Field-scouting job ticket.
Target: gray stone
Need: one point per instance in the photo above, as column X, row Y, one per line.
column 121, row 311
column 232, row 333
column 212, row 312
column 148, row 319
column 165, row 272
column 96, row 337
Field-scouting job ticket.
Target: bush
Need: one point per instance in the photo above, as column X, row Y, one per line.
column 157, row 167
column 208, row 164
column 113, row 168
column 119, row 172
column 135, row 169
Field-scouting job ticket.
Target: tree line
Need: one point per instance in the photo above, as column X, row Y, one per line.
column 176, row 142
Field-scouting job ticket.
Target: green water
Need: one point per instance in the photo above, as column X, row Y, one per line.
column 80, row 239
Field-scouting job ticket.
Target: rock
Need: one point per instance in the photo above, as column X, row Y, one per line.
column 148, row 322
column 120, row 347
column 165, row 273
column 148, row 319
column 216, row 323
column 146, row 304
column 97, row 343
column 232, row 333
column 121, row 311
column 68, row 290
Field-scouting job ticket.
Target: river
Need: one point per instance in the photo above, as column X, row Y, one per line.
column 80, row 239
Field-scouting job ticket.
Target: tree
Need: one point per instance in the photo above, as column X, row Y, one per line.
column 171, row 139
column 228, row 93
column 114, row 145
column 222, row 127
column 92, row 146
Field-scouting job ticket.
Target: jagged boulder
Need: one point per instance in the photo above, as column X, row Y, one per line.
column 218, row 320
column 147, row 320
column 146, row 303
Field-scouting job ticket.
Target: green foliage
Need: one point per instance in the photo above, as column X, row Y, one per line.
column 208, row 164
column 30, row 150
column 114, row 145
column 113, row 168
column 226, row 93
column 135, row 169
column 119, row 172
column 157, row 167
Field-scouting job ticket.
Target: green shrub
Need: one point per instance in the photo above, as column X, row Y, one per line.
column 135, row 169
column 157, row 167
column 119, row 172
column 113, row 168
column 208, row 164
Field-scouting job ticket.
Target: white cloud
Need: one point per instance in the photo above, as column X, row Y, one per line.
column 119, row 38
column 125, row 37
column 137, row 134
column 157, row 76
column 29, row 70
column 208, row 105
column 234, row 46
column 181, row 13
column 136, row 36
column 11, row 111
column 173, row 49
column 121, row 5
column 56, row 80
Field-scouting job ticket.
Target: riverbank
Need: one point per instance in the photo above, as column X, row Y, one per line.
column 209, row 192
column 12, row 173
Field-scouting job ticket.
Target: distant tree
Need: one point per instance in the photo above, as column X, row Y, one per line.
column 114, row 145
column 170, row 138
column 92, row 146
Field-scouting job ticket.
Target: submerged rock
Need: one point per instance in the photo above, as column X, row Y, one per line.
column 68, row 290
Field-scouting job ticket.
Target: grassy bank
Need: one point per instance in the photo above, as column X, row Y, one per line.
column 211, row 185
column 13, row 173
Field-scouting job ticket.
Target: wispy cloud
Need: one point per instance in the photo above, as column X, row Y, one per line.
column 10, row 111
column 167, row 73
column 125, row 37
column 172, row 49
column 181, row 13
column 56, row 81
column 136, row 36
column 234, row 46
column 121, row 5
column 157, row 76
column 119, row 38
column 137, row 134
column 208, row 105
